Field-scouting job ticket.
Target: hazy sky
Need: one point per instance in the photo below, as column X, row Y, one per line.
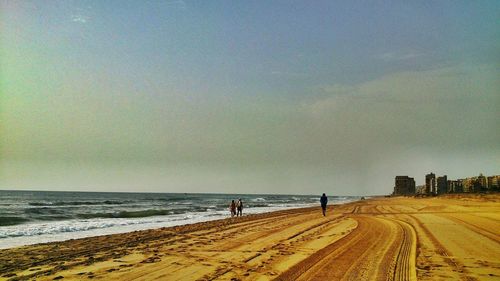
column 296, row 97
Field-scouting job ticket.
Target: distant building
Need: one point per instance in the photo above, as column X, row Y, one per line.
column 454, row 186
column 459, row 187
column 493, row 183
column 404, row 185
column 442, row 184
column 450, row 187
column 468, row 185
column 475, row 184
column 430, row 183
column 481, row 183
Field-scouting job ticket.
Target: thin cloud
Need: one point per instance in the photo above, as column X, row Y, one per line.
column 398, row 56
column 79, row 18
column 444, row 86
column 337, row 89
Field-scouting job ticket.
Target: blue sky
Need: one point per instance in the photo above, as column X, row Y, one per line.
column 246, row 96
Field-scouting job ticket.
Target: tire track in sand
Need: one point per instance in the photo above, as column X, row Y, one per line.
column 278, row 243
column 441, row 250
column 385, row 246
column 404, row 265
column 478, row 229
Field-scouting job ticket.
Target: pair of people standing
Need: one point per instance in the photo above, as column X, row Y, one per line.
column 236, row 208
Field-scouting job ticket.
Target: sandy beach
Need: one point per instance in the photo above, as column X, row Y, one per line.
column 456, row 237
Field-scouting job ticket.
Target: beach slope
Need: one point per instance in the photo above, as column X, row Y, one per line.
column 443, row 238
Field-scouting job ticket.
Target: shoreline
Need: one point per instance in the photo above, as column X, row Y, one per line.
column 163, row 228
column 458, row 238
column 117, row 230
column 118, row 214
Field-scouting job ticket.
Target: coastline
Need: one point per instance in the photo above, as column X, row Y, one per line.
column 175, row 227
column 64, row 236
column 40, row 217
column 458, row 237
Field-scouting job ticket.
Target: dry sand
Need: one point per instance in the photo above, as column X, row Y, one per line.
column 444, row 238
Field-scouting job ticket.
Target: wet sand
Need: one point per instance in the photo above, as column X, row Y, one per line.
column 444, row 238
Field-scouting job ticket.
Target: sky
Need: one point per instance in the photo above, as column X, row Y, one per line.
column 281, row 97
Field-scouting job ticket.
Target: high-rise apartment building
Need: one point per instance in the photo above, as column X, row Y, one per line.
column 430, row 183
column 404, row 185
column 493, row 183
column 442, row 184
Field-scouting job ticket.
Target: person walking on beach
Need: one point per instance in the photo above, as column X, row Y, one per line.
column 239, row 205
column 324, row 201
column 232, row 208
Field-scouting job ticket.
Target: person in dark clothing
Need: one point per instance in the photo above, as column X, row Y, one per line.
column 324, row 201
column 239, row 207
column 232, row 208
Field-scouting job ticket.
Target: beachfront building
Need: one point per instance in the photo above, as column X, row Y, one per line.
column 442, row 184
column 459, row 186
column 475, row 184
column 404, row 185
column 482, row 183
column 430, row 183
column 454, row 186
column 468, row 185
column 493, row 183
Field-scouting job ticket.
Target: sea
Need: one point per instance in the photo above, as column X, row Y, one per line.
column 31, row 217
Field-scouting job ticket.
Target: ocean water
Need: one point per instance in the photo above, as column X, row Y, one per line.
column 30, row 217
